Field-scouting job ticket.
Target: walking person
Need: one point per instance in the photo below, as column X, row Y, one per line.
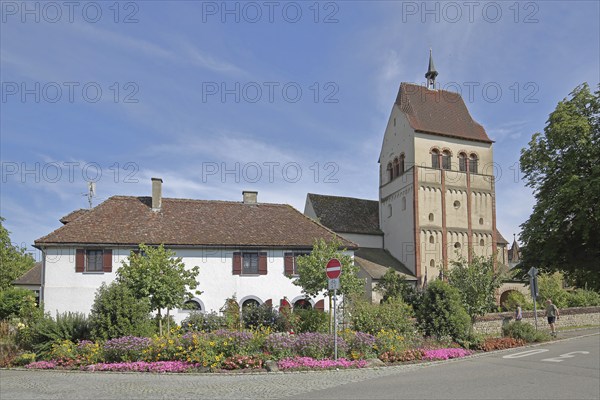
column 518, row 313
column 552, row 314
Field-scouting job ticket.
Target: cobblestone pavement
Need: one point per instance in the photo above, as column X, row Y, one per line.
column 24, row 384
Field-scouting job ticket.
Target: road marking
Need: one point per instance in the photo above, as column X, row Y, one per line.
column 525, row 353
column 562, row 357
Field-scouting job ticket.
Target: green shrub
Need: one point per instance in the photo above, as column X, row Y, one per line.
column 24, row 359
column 392, row 315
column 16, row 303
column 550, row 286
column 311, row 321
column 441, row 313
column 514, row 298
column 66, row 326
column 525, row 331
column 197, row 321
column 116, row 312
column 583, row 298
column 255, row 317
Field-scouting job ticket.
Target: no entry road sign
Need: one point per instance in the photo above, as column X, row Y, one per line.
column 334, row 268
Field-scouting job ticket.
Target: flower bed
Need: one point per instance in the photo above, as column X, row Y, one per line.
column 142, row 366
column 445, row 354
column 307, row 363
column 242, row 351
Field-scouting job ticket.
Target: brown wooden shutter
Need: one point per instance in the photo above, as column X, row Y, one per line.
column 288, row 263
column 237, row 263
column 262, row 263
column 107, row 261
column 320, row 305
column 269, row 303
column 79, row 260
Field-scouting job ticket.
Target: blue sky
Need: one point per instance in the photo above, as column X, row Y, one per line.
column 284, row 98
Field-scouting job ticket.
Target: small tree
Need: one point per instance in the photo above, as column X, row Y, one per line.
column 395, row 286
column 550, row 286
column 441, row 313
column 155, row 273
column 117, row 312
column 477, row 282
column 311, row 269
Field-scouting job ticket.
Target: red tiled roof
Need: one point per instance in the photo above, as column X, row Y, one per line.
column 73, row 215
column 33, row 277
column 438, row 112
column 125, row 220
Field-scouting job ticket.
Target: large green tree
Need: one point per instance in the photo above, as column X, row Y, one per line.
column 155, row 273
column 562, row 166
column 477, row 282
column 14, row 261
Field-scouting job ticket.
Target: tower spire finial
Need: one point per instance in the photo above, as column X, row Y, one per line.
column 431, row 72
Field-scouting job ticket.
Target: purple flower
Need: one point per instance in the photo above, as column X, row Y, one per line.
column 311, row 363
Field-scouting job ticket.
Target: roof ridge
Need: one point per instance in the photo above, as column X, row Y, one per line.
column 182, row 199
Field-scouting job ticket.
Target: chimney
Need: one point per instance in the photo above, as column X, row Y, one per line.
column 156, row 194
column 250, row 197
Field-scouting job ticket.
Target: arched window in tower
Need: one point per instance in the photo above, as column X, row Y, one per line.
column 402, row 164
column 435, row 158
column 404, row 203
column 396, row 167
column 431, row 239
column 462, row 162
column 446, row 160
column 473, row 163
column 390, row 172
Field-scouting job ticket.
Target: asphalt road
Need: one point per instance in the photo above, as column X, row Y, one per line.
column 567, row 369
column 561, row 370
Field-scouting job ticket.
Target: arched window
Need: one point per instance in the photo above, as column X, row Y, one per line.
column 192, row 305
column 473, row 163
column 462, row 162
column 396, row 167
column 431, row 217
column 431, row 239
column 250, row 303
column 435, row 158
column 302, row 304
column 446, row 160
column 390, row 172
column 404, row 203
column 402, row 168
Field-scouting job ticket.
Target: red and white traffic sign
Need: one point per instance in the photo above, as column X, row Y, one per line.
column 334, row 268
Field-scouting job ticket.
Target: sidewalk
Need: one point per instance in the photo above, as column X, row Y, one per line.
column 566, row 333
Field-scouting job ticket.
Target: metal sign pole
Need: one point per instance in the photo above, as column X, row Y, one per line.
column 335, row 327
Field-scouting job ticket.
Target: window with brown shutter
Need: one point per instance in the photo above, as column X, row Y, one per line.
column 94, row 261
column 288, row 263
column 320, row 305
column 237, row 263
column 79, row 260
column 107, row 264
column 262, row 263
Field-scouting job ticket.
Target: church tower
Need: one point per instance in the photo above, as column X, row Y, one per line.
column 436, row 188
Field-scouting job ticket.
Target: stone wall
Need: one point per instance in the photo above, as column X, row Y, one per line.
column 580, row 316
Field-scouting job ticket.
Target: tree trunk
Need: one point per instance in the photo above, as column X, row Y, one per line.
column 159, row 323
column 168, row 322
